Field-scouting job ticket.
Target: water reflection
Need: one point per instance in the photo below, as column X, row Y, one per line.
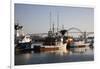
column 28, row 55
column 78, row 50
column 61, row 55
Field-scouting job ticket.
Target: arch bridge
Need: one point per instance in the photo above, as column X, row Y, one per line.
column 83, row 34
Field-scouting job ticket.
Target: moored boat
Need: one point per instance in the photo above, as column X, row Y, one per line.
column 24, row 44
column 79, row 44
column 51, row 43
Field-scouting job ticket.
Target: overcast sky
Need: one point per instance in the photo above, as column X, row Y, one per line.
column 36, row 18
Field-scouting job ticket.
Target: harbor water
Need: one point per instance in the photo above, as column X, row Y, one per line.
column 55, row 56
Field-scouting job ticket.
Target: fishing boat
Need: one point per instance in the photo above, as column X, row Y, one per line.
column 51, row 43
column 79, row 44
column 25, row 43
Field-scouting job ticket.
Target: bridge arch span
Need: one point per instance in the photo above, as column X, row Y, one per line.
column 73, row 28
column 77, row 29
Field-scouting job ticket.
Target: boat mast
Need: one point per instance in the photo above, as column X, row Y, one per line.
column 57, row 21
column 50, row 21
column 62, row 27
column 53, row 27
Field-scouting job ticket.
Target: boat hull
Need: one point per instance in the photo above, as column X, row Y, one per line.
column 49, row 48
column 26, row 45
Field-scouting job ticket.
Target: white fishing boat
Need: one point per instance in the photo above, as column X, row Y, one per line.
column 79, row 44
column 25, row 43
